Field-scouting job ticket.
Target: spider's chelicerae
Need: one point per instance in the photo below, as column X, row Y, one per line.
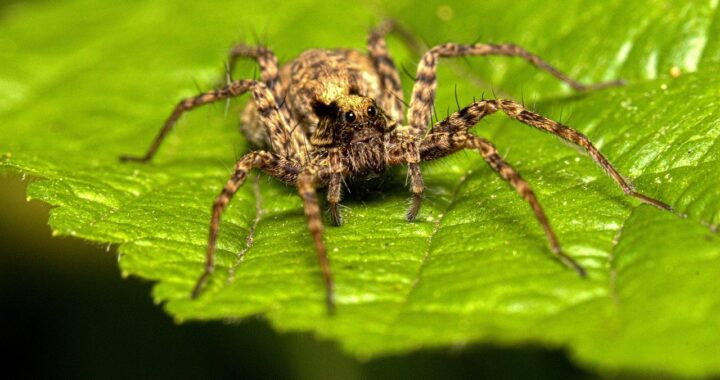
column 332, row 114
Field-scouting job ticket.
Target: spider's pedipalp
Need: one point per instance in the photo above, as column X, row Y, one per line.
column 417, row 186
column 404, row 149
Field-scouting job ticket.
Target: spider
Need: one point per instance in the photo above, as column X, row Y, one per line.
column 333, row 114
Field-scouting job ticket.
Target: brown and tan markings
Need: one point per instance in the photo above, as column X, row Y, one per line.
column 334, row 114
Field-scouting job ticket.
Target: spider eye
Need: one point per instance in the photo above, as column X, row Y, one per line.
column 350, row 116
column 372, row 111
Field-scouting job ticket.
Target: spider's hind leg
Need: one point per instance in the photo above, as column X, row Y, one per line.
column 233, row 89
column 423, row 94
column 391, row 100
column 266, row 60
column 285, row 141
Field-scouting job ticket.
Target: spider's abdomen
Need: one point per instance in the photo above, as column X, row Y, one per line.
column 316, row 75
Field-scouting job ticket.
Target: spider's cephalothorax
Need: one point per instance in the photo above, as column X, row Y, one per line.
column 355, row 129
column 334, row 114
column 348, row 120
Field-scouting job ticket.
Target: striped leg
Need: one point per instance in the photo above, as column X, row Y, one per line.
column 265, row 58
column 446, row 136
column 392, row 102
column 423, row 95
column 417, row 186
column 270, row 75
column 306, row 188
column 405, row 150
column 491, row 156
column 392, row 98
column 334, row 192
column 269, row 72
column 268, row 162
column 267, row 110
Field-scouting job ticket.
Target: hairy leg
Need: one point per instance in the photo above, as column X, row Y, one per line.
column 491, row 156
column 267, row 110
column 306, row 188
column 402, row 149
column 417, row 186
column 268, row 63
column 446, row 135
column 334, row 192
column 392, row 102
column 268, row 162
column 392, row 98
column 269, row 69
column 423, row 95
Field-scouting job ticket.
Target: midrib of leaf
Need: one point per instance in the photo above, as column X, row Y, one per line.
column 251, row 231
column 428, row 252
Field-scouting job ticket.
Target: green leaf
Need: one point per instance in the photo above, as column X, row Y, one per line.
column 82, row 82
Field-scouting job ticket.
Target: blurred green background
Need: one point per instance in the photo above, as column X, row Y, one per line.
column 67, row 313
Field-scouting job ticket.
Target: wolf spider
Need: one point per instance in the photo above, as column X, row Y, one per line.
column 332, row 114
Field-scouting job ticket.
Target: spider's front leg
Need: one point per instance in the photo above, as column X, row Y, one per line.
column 509, row 174
column 443, row 141
column 452, row 135
column 449, row 135
column 268, row 162
column 307, row 181
column 334, row 192
column 417, row 186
